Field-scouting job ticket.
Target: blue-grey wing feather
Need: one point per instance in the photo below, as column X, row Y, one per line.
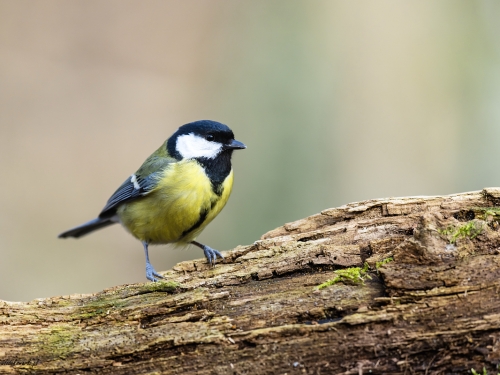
column 134, row 187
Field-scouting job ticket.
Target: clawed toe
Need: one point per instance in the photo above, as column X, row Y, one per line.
column 211, row 255
column 151, row 273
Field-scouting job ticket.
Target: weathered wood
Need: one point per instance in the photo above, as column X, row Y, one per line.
column 433, row 310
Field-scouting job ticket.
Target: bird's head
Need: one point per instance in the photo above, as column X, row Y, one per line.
column 202, row 139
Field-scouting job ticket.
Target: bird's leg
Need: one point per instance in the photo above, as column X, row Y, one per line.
column 150, row 271
column 210, row 254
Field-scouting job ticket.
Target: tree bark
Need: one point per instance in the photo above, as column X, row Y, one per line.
column 433, row 309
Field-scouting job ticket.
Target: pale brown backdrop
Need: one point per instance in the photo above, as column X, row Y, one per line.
column 337, row 101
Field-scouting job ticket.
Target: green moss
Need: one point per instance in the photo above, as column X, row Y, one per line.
column 58, row 341
column 102, row 304
column 353, row 275
column 160, row 286
column 471, row 230
column 99, row 306
column 484, row 212
column 446, row 232
column 366, row 268
column 382, row 262
column 485, row 372
column 492, row 211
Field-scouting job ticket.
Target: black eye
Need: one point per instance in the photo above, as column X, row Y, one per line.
column 209, row 137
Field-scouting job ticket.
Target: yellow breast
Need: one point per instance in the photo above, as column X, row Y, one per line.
column 178, row 208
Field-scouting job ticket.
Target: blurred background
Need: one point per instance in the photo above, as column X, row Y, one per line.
column 337, row 101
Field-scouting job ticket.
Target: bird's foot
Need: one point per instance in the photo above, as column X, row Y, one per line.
column 151, row 273
column 211, row 255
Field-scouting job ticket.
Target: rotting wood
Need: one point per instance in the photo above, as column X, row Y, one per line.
column 434, row 309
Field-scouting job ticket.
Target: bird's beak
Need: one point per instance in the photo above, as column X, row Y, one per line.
column 235, row 145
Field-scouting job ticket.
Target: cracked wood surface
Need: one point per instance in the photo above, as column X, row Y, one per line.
column 433, row 310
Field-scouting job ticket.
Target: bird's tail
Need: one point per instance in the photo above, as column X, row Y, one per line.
column 88, row 227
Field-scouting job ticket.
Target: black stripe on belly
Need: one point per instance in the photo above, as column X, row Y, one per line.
column 203, row 216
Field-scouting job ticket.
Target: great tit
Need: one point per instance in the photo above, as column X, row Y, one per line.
column 176, row 192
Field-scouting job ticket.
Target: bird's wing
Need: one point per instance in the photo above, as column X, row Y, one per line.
column 136, row 186
column 133, row 187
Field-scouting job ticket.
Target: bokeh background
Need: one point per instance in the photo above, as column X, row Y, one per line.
column 338, row 101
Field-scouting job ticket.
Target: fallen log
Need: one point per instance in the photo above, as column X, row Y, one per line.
column 397, row 285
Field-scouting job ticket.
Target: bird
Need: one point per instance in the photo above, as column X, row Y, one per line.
column 175, row 193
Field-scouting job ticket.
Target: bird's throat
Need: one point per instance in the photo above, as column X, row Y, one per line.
column 217, row 169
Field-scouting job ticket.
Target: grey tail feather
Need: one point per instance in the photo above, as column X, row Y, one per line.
column 86, row 228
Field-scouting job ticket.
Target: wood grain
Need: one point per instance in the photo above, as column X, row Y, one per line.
column 434, row 309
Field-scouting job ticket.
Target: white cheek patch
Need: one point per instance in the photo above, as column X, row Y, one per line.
column 192, row 146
